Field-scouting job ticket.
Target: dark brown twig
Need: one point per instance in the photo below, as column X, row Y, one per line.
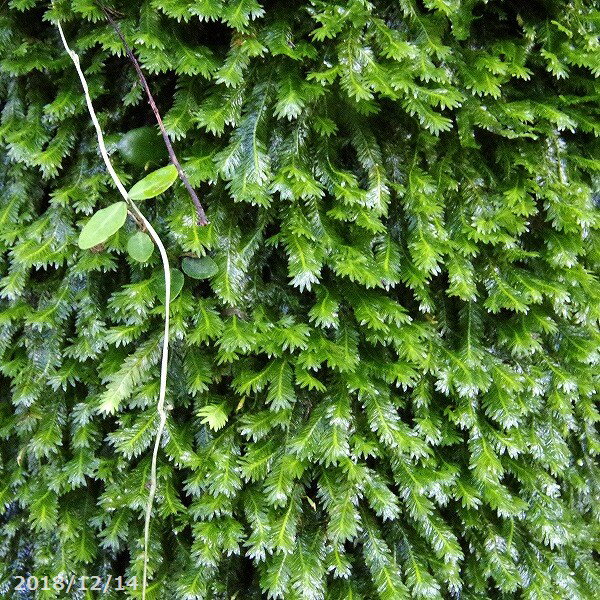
column 202, row 220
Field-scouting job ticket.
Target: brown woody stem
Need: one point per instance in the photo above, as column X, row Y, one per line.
column 202, row 220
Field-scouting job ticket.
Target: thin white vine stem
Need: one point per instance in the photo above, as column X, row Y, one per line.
column 160, row 407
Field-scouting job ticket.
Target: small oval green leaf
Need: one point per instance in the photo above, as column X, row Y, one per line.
column 158, row 284
column 142, row 146
column 102, row 225
column 140, row 246
column 199, row 268
column 154, row 184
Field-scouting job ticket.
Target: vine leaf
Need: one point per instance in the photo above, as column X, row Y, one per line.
column 199, row 268
column 154, row 183
column 177, row 281
column 102, row 225
column 140, row 246
column 142, row 146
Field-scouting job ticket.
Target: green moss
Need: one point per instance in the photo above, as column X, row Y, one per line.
column 387, row 388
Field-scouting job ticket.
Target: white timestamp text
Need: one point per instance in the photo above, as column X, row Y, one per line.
column 75, row 583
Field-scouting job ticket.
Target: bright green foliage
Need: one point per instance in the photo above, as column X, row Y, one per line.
column 387, row 388
column 140, row 246
column 104, row 223
column 154, row 183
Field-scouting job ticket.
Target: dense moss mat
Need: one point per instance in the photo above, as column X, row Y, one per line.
column 387, row 387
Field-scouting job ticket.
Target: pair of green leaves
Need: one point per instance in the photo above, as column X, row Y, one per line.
column 196, row 268
column 107, row 221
